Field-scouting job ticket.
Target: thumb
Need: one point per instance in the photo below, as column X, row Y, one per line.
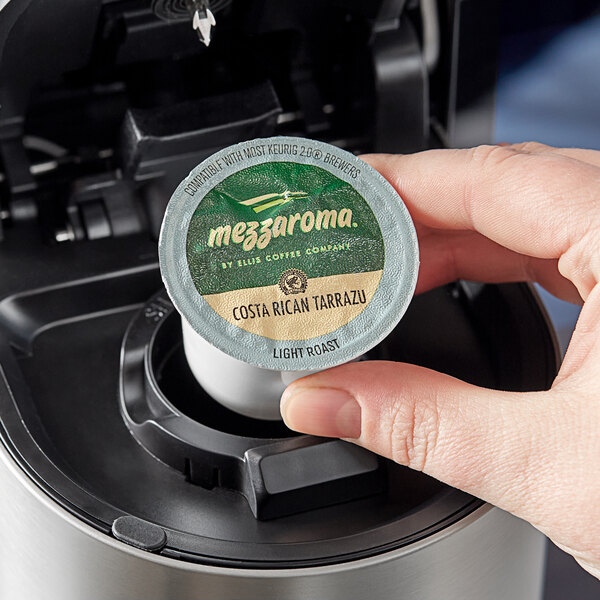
column 479, row 440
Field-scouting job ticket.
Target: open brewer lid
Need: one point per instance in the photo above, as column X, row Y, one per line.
column 288, row 254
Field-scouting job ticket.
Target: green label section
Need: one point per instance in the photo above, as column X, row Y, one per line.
column 269, row 218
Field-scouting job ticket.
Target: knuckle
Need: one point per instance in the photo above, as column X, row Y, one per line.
column 579, row 262
column 487, row 162
column 486, row 156
column 531, row 147
column 414, row 432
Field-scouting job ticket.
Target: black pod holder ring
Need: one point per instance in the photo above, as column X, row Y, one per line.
column 172, row 417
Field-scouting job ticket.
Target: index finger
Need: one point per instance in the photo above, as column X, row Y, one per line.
column 543, row 206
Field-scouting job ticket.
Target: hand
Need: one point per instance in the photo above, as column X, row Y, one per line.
column 492, row 213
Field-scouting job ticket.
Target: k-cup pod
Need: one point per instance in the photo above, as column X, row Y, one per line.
column 284, row 256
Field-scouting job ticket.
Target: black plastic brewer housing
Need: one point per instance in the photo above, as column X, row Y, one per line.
column 65, row 307
column 64, row 313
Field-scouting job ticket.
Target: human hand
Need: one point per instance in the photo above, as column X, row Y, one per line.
column 524, row 212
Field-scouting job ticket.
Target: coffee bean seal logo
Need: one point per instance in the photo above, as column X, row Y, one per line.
column 293, row 281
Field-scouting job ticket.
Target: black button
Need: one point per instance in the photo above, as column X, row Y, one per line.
column 139, row 533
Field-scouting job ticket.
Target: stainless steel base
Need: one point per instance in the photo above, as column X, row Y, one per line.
column 45, row 553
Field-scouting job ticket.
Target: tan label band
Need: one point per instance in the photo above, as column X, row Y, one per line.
column 328, row 304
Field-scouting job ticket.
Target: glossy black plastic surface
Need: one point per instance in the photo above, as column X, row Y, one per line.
column 64, row 311
column 278, row 475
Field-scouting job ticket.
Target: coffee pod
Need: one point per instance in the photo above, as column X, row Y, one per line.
column 284, row 256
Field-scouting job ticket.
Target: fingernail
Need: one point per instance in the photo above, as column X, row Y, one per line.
column 328, row 412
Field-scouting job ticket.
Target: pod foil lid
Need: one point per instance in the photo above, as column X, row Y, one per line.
column 288, row 254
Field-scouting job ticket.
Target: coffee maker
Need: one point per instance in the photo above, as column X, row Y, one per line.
column 120, row 477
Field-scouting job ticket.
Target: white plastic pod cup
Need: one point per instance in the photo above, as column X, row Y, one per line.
column 241, row 387
column 284, row 256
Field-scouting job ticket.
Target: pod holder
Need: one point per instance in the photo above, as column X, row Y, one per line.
column 277, row 471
